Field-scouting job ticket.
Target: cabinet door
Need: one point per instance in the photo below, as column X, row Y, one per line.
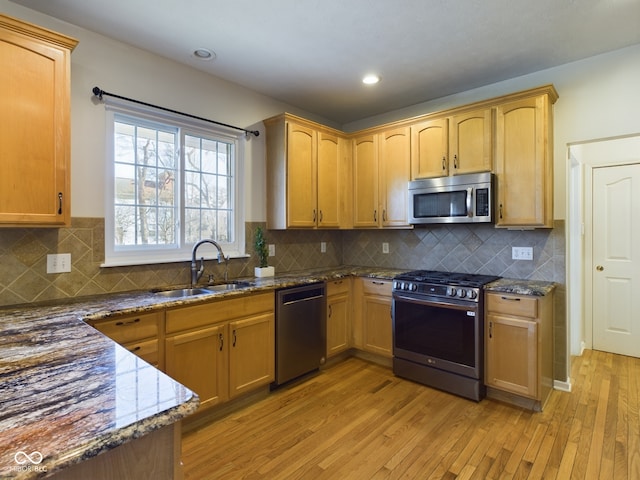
column 251, row 353
column 329, row 182
column 199, row 361
column 35, row 134
column 301, row 176
column 395, row 173
column 511, row 355
column 338, row 319
column 376, row 323
column 524, row 163
column 470, row 142
column 365, row 181
column 429, row 149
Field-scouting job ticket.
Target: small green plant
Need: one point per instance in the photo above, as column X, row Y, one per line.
column 260, row 245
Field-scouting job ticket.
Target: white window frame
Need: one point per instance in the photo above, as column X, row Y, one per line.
column 168, row 254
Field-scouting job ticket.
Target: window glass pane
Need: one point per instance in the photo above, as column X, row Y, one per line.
column 145, row 177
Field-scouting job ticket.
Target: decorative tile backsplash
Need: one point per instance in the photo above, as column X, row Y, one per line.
column 465, row 248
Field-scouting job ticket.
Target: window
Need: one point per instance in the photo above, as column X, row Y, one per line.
column 171, row 184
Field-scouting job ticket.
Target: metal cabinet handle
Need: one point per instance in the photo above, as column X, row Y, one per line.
column 490, row 329
column 444, row 162
column 384, row 215
column 234, row 338
column 500, row 210
column 320, row 219
column 375, row 215
column 599, row 268
column 330, row 310
column 130, row 322
column 314, row 215
column 59, row 203
column 455, row 161
column 511, row 299
column 221, row 338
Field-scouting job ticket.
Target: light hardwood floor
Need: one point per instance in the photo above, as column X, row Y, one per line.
column 356, row 420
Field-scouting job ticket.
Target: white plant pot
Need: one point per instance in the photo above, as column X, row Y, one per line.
column 264, row 271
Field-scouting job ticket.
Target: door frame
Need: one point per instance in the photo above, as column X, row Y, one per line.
column 583, row 157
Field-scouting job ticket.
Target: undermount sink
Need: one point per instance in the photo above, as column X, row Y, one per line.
column 183, row 292
column 223, row 287
column 192, row 292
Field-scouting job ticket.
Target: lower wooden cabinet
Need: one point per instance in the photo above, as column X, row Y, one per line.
column 339, row 314
column 519, row 345
column 222, row 349
column 141, row 334
column 372, row 327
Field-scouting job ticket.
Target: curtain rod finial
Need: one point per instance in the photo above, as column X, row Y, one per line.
column 97, row 91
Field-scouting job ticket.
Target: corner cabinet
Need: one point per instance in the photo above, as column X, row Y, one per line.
column 35, row 139
column 519, row 348
column 222, row 349
column 308, row 175
column 381, row 171
column 452, row 145
column 524, row 160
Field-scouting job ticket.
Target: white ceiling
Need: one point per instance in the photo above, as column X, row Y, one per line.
column 313, row 53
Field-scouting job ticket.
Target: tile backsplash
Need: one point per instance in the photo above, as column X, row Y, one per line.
column 465, row 248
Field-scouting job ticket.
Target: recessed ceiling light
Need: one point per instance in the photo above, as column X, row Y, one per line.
column 204, row 54
column 370, row 79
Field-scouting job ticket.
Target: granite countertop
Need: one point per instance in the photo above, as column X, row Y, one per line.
column 536, row 288
column 69, row 393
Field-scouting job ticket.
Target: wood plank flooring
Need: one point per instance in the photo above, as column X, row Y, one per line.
column 355, row 420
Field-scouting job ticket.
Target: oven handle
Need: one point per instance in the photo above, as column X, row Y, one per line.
column 436, row 303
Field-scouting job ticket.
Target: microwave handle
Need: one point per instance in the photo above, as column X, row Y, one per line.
column 469, row 202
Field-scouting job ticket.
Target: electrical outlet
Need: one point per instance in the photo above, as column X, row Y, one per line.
column 272, row 250
column 385, row 247
column 59, row 263
column 323, row 247
column 522, row 253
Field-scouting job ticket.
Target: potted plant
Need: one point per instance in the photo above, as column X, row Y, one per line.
column 262, row 250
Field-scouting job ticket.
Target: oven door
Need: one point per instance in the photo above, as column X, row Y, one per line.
column 447, row 335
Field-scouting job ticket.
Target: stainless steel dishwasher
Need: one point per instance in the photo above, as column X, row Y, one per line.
column 301, row 333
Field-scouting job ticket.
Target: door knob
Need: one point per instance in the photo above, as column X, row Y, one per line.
column 599, row 268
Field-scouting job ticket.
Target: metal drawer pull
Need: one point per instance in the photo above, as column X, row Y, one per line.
column 377, row 283
column 511, row 299
column 135, row 349
column 130, row 322
column 599, row 268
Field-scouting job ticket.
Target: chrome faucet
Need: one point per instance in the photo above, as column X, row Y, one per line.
column 196, row 272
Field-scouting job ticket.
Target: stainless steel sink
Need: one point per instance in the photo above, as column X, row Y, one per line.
column 192, row 292
column 183, row 292
column 223, row 287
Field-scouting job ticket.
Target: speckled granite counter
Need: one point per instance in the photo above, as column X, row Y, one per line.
column 521, row 287
column 69, row 393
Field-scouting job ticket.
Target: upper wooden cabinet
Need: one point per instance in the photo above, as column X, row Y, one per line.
column 452, row 145
column 381, row 171
column 34, row 125
column 430, row 148
column 308, row 175
column 524, row 161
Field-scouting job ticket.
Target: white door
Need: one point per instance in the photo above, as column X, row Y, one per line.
column 616, row 259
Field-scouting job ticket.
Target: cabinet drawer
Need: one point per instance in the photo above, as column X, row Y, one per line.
column 335, row 287
column 518, row 305
column 130, row 328
column 147, row 350
column 186, row 318
column 376, row 286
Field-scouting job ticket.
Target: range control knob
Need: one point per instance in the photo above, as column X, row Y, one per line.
column 414, row 287
column 472, row 294
column 451, row 291
column 461, row 292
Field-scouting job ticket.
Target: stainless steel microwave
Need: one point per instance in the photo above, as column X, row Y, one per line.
column 455, row 199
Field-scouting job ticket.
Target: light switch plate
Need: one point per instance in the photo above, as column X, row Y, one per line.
column 59, row 263
column 272, row 250
column 522, row 253
column 323, row 247
column 385, row 247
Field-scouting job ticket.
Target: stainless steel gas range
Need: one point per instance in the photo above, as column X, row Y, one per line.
column 438, row 327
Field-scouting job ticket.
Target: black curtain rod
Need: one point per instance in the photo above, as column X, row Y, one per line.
column 98, row 92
